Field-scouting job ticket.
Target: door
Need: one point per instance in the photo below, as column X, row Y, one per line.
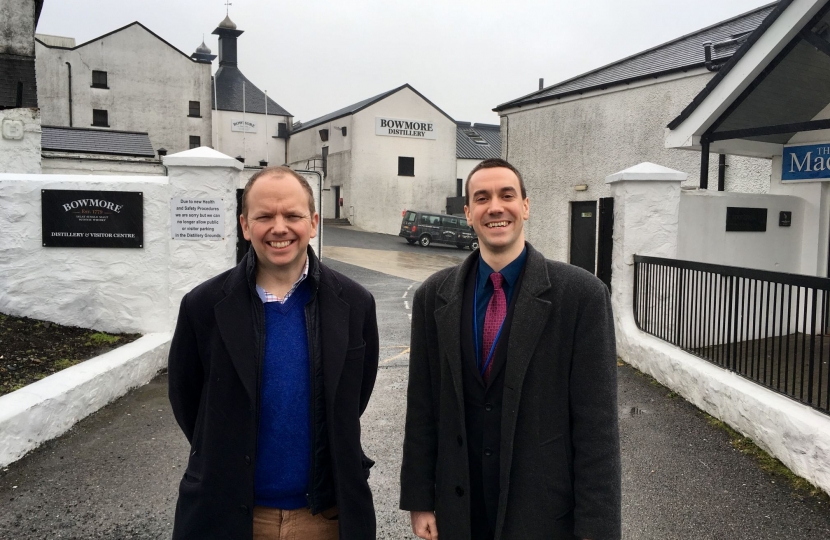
column 584, row 234
column 336, row 202
column 606, row 240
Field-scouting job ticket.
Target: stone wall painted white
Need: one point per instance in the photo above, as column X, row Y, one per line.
column 252, row 146
column 17, row 27
column 21, row 155
column 703, row 236
column 47, row 408
column 645, row 224
column 62, row 163
column 150, row 87
column 589, row 137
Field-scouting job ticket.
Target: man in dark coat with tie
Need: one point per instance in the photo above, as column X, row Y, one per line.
column 511, row 422
column 271, row 365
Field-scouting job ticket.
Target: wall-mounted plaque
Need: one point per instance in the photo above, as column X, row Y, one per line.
column 102, row 219
column 785, row 219
column 740, row 219
column 197, row 219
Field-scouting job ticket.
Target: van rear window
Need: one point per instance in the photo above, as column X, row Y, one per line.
column 410, row 217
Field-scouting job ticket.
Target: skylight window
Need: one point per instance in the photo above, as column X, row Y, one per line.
column 475, row 137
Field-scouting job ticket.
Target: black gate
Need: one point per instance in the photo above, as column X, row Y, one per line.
column 584, row 234
column 606, row 240
column 336, row 202
column 242, row 245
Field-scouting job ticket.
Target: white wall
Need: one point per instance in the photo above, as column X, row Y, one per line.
column 114, row 289
column 150, row 85
column 64, row 163
column 376, row 192
column 252, row 146
column 589, row 137
column 464, row 166
column 702, row 234
column 21, row 155
column 17, row 27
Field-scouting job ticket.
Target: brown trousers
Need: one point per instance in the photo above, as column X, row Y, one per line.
column 300, row 524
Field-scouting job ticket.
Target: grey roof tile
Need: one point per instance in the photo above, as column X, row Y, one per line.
column 228, row 81
column 682, row 53
column 96, row 141
column 466, row 148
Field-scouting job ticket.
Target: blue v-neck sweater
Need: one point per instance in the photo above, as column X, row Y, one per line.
column 283, row 462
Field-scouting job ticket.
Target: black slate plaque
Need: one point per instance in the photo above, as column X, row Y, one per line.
column 785, row 219
column 740, row 219
column 103, row 219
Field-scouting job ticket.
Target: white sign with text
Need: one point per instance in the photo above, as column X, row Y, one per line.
column 246, row 126
column 396, row 127
column 197, row 219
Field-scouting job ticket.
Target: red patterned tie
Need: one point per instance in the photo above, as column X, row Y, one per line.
column 496, row 310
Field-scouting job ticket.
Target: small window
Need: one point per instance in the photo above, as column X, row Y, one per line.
column 99, row 79
column 410, row 217
column 100, row 118
column 463, row 223
column 406, row 166
column 195, row 110
column 430, row 220
column 449, row 222
column 459, row 187
column 475, row 137
column 195, row 141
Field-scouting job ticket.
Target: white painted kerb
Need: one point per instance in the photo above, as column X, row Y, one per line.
column 48, row 408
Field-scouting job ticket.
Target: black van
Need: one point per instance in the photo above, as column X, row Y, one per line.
column 428, row 227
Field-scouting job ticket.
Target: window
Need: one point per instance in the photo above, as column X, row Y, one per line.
column 410, row 217
column 463, row 223
column 475, row 137
column 195, row 110
column 100, row 118
column 459, row 187
column 430, row 220
column 406, row 166
column 449, row 222
column 99, row 79
column 195, row 141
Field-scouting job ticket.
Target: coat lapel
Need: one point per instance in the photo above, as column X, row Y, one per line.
column 529, row 319
column 334, row 317
column 234, row 318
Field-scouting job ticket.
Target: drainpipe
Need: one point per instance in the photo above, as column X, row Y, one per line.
column 704, row 163
column 722, row 172
column 70, row 93
column 319, row 210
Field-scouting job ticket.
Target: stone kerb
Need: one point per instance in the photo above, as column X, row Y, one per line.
column 201, row 180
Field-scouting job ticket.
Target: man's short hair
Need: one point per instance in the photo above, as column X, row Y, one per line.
column 278, row 171
column 493, row 163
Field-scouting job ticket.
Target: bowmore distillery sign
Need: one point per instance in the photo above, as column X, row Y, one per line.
column 397, row 127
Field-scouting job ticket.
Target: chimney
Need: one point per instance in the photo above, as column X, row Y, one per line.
column 541, row 83
column 227, row 33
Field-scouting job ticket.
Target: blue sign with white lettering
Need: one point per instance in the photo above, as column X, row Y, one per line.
column 807, row 162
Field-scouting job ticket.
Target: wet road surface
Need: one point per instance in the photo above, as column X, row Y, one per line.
column 115, row 474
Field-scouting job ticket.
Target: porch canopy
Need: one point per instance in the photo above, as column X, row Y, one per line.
column 776, row 86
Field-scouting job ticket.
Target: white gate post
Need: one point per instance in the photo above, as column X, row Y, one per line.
column 200, row 174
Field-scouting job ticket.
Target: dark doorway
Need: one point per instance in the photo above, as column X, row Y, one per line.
column 584, row 234
column 606, row 240
column 242, row 245
column 336, row 202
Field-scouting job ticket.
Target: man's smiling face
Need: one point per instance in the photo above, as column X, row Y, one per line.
column 496, row 209
column 278, row 223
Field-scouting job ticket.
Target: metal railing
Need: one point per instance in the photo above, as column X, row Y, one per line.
column 769, row 327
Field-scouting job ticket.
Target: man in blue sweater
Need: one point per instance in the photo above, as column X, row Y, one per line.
column 271, row 365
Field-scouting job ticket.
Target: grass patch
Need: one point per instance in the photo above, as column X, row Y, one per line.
column 102, row 338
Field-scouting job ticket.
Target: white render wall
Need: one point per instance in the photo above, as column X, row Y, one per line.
column 253, row 146
column 464, row 166
column 589, row 137
column 114, row 289
column 21, row 155
column 376, row 192
column 703, row 237
column 150, row 85
column 17, row 26
column 646, row 223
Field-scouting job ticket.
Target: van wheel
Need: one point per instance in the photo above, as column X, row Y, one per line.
column 425, row 240
column 474, row 245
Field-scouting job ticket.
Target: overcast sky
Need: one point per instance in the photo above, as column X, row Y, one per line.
column 466, row 56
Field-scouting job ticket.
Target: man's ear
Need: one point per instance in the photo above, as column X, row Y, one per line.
column 315, row 221
column 244, row 224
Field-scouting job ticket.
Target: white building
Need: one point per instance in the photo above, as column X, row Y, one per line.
column 247, row 123
column 566, row 138
column 129, row 79
column 382, row 155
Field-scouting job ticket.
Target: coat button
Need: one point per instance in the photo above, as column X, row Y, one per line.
column 243, row 509
column 488, row 407
column 459, row 491
column 460, row 441
column 488, row 452
column 248, row 460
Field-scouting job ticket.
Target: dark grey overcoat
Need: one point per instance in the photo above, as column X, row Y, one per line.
column 560, row 462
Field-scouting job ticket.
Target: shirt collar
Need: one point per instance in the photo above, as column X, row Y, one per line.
column 266, row 297
column 510, row 272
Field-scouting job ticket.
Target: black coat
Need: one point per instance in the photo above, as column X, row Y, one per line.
column 559, row 463
column 213, row 372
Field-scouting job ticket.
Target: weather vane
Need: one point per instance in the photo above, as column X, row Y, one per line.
column 227, row 4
